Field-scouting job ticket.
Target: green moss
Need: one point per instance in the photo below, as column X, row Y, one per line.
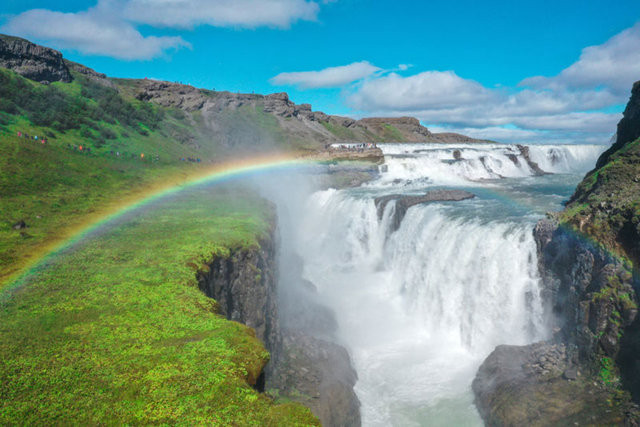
column 117, row 330
column 607, row 371
column 341, row 132
column 391, row 134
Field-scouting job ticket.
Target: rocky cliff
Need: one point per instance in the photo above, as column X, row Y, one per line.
column 306, row 365
column 32, row 61
column 234, row 120
column 588, row 259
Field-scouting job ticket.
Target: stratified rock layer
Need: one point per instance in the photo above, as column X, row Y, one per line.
column 32, row 61
column 404, row 202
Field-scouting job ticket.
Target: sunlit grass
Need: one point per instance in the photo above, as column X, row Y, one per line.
column 116, row 330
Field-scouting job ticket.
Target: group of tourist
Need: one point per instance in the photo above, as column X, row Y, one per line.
column 36, row 138
column 359, row 147
column 120, row 154
column 190, row 159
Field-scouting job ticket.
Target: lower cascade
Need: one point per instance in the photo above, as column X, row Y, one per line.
column 419, row 306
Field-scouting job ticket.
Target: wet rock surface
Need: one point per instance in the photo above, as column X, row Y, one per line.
column 404, row 202
column 524, row 151
column 39, row 63
column 542, row 384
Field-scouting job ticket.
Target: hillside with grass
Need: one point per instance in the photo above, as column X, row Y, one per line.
column 116, row 328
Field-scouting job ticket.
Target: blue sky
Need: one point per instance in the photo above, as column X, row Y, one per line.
column 525, row 71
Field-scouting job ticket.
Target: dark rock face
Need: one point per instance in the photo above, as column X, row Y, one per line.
column 318, row 374
column 244, row 286
column 585, row 287
column 32, row 61
column 541, row 384
column 403, row 202
column 628, row 127
column 524, row 151
column 306, row 366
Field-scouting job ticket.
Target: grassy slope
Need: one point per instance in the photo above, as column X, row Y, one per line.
column 55, row 188
column 118, row 330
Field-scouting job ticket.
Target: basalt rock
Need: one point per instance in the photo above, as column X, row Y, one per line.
column 542, row 384
column 306, row 364
column 524, row 151
column 404, row 202
column 628, row 127
column 32, row 61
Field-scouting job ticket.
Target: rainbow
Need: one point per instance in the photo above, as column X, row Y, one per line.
column 217, row 173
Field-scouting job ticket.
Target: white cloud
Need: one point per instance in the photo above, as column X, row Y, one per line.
column 567, row 107
column 328, row 77
column 430, row 89
column 220, row 13
column 614, row 64
column 96, row 31
column 109, row 28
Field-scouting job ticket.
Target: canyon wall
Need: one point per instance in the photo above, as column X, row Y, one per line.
column 306, row 365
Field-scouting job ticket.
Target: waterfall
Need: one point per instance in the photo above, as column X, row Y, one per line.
column 420, row 307
column 436, row 164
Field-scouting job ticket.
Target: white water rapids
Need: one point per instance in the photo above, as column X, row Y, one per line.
column 419, row 308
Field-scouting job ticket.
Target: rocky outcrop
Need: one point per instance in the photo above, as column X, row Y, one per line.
column 298, row 121
column 32, row 61
column 540, row 385
column 245, row 288
column 524, row 152
column 628, row 127
column 306, row 365
column 590, row 291
column 404, row 202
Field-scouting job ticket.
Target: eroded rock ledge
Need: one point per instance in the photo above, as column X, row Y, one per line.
column 404, row 202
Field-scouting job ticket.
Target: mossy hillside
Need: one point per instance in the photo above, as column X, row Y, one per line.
column 98, row 116
column 391, row 133
column 606, row 205
column 116, row 330
column 54, row 190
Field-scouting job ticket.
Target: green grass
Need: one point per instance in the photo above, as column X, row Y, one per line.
column 340, row 132
column 607, row 371
column 55, row 189
column 391, row 133
column 116, row 330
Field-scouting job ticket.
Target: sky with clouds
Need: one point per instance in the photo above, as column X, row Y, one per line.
column 526, row 71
